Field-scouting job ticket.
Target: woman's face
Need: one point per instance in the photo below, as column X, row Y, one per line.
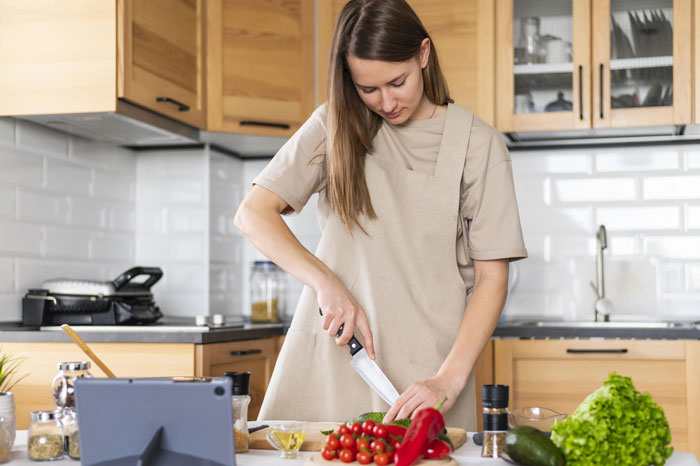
column 393, row 90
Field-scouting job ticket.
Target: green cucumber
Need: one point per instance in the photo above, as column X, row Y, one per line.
column 531, row 447
column 377, row 417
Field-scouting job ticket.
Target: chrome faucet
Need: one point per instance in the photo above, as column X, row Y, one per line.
column 603, row 306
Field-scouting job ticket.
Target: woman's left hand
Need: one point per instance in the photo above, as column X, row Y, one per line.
column 425, row 394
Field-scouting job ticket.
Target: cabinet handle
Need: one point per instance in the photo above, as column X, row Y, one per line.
column 264, row 123
column 580, row 92
column 180, row 106
column 245, row 352
column 601, row 91
column 584, row 351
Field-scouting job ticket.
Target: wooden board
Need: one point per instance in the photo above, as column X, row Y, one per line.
column 318, row 459
column 315, row 439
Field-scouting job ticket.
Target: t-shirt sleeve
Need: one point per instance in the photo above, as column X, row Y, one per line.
column 489, row 206
column 298, row 169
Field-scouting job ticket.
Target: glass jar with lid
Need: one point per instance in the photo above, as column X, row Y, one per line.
column 73, row 445
column 266, row 292
column 63, row 384
column 45, row 436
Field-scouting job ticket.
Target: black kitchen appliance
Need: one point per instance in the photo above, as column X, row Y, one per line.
column 125, row 300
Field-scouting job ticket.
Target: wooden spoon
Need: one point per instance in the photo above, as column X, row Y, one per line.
column 86, row 349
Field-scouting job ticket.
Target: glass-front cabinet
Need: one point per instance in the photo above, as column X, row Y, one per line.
column 580, row 64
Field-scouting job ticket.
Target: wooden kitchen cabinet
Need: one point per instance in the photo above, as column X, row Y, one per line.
column 260, row 73
column 163, row 57
column 81, row 56
column 463, row 33
column 559, row 374
column 592, row 64
column 141, row 360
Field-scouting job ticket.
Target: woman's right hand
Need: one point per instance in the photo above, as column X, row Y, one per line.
column 338, row 306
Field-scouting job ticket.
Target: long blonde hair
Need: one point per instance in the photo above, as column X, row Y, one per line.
column 386, row 30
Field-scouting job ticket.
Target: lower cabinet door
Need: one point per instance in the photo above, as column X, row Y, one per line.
column 559, row 374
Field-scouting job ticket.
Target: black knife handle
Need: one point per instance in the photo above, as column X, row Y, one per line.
column 354, row 345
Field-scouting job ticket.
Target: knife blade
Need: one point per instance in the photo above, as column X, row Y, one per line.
column 369, row 370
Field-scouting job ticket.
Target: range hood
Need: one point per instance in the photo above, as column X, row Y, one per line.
column 138, row 128
column 652, row 135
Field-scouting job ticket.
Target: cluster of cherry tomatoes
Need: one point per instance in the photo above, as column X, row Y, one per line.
column 367, row 442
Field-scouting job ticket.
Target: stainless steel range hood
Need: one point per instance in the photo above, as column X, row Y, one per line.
column 130, row 125
column 138, row 128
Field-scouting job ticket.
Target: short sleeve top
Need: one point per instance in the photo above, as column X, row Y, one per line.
column 491, row 224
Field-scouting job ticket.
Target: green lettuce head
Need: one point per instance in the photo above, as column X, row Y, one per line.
column 615, row 425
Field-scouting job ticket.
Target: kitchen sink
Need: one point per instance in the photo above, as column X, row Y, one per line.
column 618, row 324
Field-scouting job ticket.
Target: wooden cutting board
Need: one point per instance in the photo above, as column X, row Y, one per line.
column 315, row 440
column 318, row 460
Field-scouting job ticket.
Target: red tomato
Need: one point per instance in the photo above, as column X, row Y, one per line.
column 343, row 429
column 364, row 457
column 332, row 441
column 346, row 455
column 377, row 446
column 328, row 453
column 362, row 444
column 381, row 459
column 356, row 428
column 368, row 427
column 347, row 441
column 395, row 444
column 380, row 431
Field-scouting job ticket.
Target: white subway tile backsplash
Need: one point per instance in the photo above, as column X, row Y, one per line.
column 20, row 168
column 152, row 248
column 639, row 218
column 41, row 207
column 225, row 195
column 113, row 247
column 182, row 304
column 681, row 307
column 122, row 219
column 7, row 201
column 189, row 277
column 672, row 277
column 559, row 220
column 64, row 243
column 553, row 163
column 533, row 191
column 220, row 223
column 646, row 161
column 39, row 138
column 88, row 213
column 188, row 248
column 693, row 217
column 673, row 247
column 7, row 131
column 150, row 219
column 594, row 189
column 32, row 272
column 671, row 187
column 113, row 186
column 225, row 249
column 11, row 305
column 692, row 273
column 556, row 247
column 184, row 220
column 68, row 178
column 623, row 245
column 692, row 159
column 93, row 153
column 7, row 275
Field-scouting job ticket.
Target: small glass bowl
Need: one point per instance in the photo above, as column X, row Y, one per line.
column 539, row 418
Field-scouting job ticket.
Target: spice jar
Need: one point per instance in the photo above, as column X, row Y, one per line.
column 240, row 401
column 494, row 399
column 266, row 285
column 73, row 446
column 63, row 384
column 45, row 434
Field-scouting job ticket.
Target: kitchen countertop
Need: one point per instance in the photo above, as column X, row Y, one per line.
column 183, row 330
column 616, row 330
column 167, row 330
column 467, row 455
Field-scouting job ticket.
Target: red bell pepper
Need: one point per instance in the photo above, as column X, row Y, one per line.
column 437, row 450
column 424, row 429
column 396, row 430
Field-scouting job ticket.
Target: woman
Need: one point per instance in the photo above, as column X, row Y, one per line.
column 416, row 209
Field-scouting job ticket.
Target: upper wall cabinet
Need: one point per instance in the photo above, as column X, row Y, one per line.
column 164, row 57
column 260, row 74
column 80, row 56
column 579, row 64
column 463, row 33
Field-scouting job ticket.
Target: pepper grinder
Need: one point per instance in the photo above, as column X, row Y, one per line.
column 494, row 399
column 240, row 401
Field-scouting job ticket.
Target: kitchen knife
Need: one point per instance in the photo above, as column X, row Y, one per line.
column 369, row 370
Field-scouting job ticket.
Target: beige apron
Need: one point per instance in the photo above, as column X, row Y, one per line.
column 404, row 274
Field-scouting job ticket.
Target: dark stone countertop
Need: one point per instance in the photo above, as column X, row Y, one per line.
column 167, row 330
column 612, row 330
